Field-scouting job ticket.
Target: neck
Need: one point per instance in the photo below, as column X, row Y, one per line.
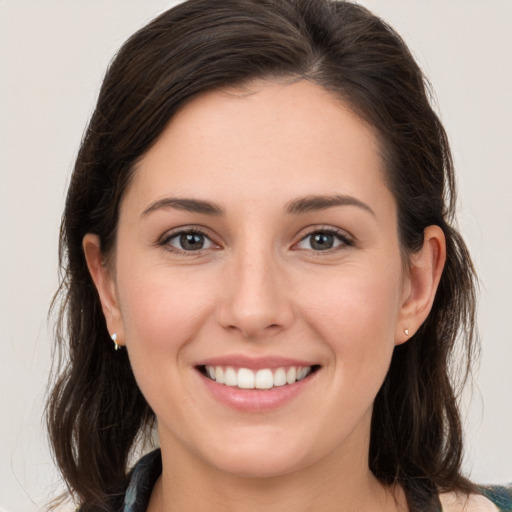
column 188, row 484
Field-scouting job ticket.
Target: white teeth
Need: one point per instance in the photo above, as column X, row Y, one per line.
column 291, row 375
column 280, row 377
column 303, row 372
column 264, row 379
column 219, row 375
column 244, row 378
column 230, row 378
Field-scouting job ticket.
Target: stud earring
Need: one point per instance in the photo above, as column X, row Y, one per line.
column 114, row 339
column 406, row 331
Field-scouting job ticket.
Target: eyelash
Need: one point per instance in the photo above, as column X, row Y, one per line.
column 344, row 239
column 192, row 231
column 341, row 236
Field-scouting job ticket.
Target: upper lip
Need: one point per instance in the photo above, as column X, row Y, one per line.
column 254, row 363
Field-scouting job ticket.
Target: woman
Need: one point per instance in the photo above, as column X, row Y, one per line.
column 261, row 219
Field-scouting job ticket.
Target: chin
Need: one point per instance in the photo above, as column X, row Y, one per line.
column 260, row 465
column 260, row 456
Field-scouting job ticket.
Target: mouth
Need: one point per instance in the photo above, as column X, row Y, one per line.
column 260, row 379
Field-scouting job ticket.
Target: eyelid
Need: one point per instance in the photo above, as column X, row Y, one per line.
column 182, row 230
column 345, row 239
column 342, row 236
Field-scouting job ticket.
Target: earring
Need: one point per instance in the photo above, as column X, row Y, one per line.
column 406, row 331
column 114, row 339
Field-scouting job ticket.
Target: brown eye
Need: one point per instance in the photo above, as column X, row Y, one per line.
column 324, row 241
column 189, row 241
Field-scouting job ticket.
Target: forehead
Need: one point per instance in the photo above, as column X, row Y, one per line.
column 268, row 139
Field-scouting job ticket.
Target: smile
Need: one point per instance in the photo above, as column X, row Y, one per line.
column 254, row 385
column 264, row 378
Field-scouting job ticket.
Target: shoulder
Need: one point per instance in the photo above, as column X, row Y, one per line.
column 499, row 495
column 142, row 478
column 491, row 499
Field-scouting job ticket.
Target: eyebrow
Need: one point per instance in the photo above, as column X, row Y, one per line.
column 188, row 205
column 294, row 207
column 322, row 202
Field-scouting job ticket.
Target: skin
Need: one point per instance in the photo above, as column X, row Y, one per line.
column 260, row 288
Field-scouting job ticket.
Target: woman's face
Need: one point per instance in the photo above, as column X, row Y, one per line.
column 258, row 238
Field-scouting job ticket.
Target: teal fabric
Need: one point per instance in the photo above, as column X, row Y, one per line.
column 142, row 479
column 500, row 496
column 148, row 469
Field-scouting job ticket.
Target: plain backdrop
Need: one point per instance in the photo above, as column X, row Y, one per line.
column 53, row 55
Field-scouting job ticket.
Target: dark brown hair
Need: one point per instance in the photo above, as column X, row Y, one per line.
column 96, row 413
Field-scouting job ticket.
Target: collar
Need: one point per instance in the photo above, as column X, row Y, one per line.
column 142, row 480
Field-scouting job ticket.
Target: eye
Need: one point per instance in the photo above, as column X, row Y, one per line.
column 188, row 241
column 324, row 240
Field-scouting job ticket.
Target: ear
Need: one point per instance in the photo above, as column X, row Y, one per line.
column 420, row 285
column 105, row 285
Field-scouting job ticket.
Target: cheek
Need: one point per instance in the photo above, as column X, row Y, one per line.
column 162, row 309
column 355, row 304
column 162, row 313
column 356, row 316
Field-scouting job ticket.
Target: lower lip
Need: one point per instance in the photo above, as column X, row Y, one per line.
column 257, row 400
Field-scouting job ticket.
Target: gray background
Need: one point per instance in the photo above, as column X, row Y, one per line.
column 52, row 57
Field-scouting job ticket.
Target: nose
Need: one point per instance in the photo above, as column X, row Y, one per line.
column 255, row 301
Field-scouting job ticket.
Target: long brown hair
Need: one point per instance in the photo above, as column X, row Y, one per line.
column 96, row 412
